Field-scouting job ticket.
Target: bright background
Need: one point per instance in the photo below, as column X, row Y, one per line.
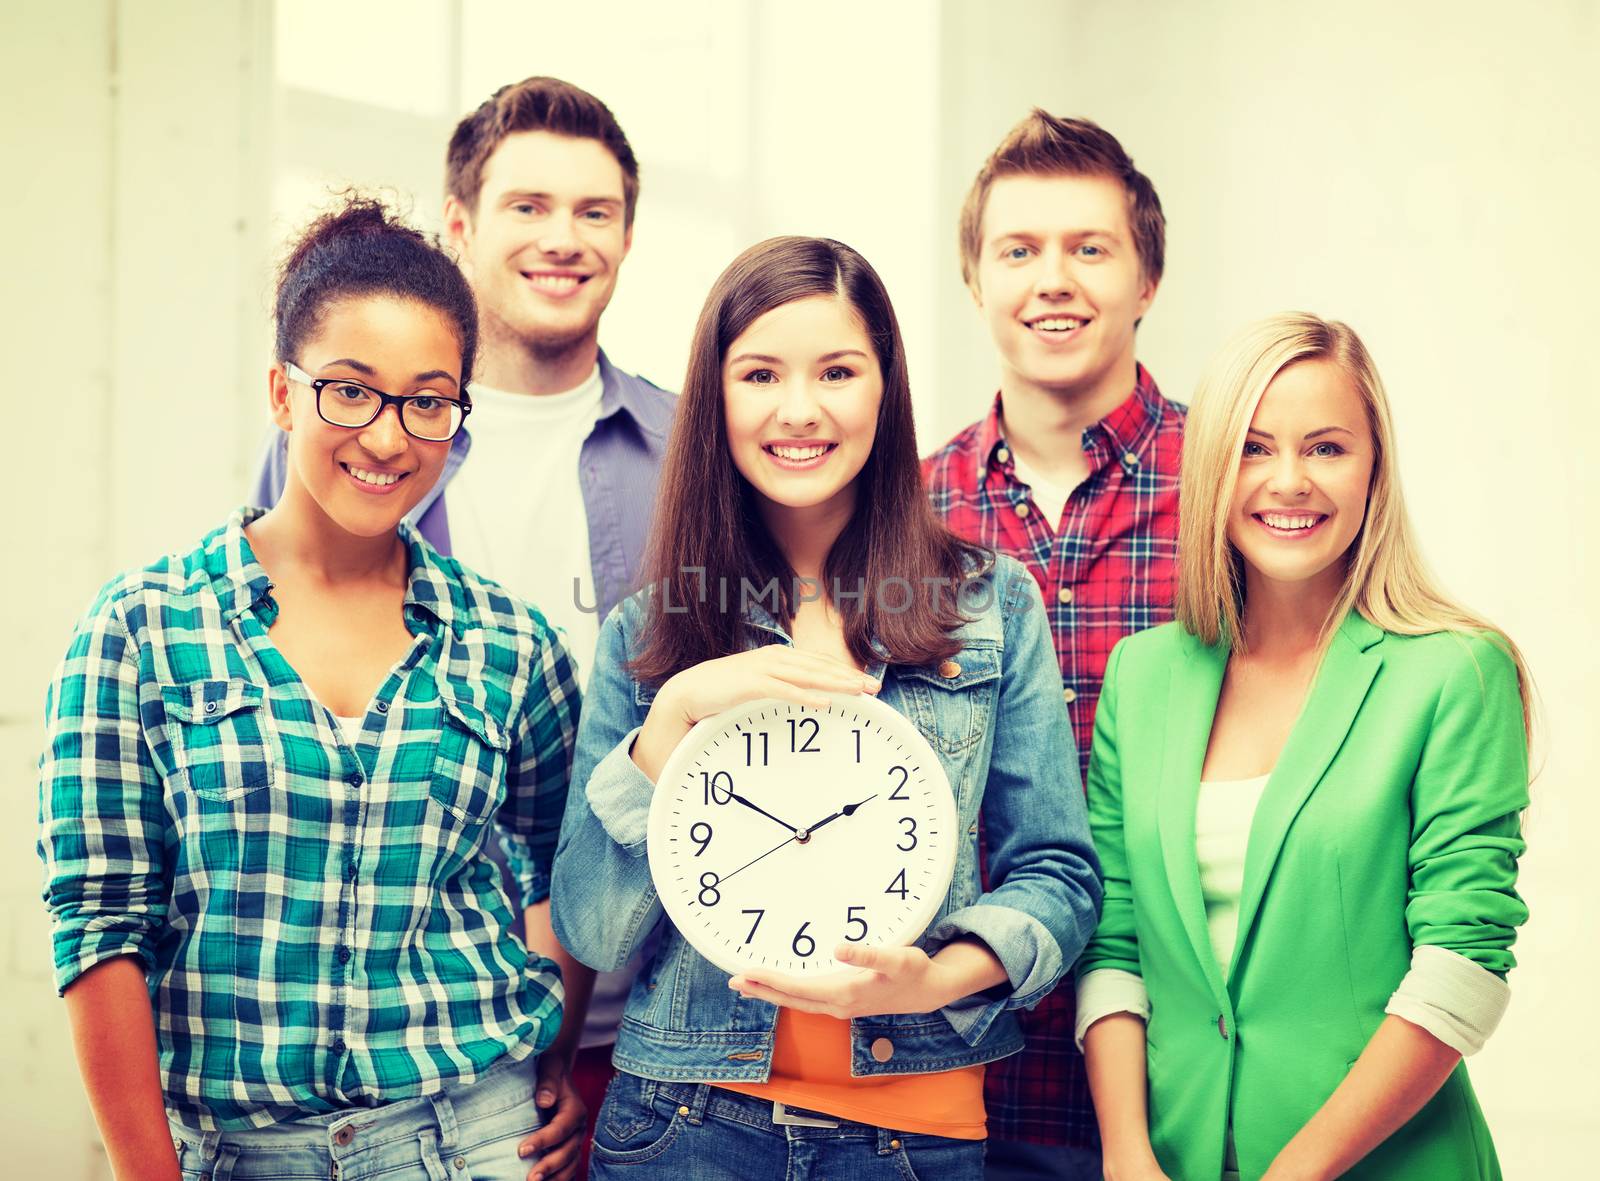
column 1426, row 171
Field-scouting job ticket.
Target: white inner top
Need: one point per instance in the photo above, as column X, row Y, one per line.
column 1222, row 817
column 1049, row 498
column 516, row 506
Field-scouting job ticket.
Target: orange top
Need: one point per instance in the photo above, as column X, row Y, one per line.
column 811, row 1069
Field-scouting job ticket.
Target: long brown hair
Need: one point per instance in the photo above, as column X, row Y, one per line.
column 708, row 541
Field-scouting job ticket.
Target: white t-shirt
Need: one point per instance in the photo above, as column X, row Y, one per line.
column 516, row 506
column 1049, row 498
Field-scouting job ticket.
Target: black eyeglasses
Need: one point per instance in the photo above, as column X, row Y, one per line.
column 429, row 416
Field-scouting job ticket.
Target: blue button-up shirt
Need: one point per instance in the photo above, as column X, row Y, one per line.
column 316, row 915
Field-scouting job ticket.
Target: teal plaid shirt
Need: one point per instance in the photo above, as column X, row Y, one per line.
column 318, row 920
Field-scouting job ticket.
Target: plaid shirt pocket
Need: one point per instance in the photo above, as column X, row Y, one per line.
column 469, row 771
column 218, row 748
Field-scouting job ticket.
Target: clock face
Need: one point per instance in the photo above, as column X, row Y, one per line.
column 778, row 831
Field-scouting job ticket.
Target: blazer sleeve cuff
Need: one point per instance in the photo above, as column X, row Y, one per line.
column 1454, row 999
column 1105, row 991
column 619, row 795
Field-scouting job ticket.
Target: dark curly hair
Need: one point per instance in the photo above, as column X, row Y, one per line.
column 360, row 247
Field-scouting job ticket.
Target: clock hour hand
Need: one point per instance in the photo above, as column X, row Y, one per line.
column 757, row 808
column 805, row 834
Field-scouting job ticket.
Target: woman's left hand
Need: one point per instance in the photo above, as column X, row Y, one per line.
column 890, row 980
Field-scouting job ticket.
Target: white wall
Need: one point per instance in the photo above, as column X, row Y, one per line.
column 1426, row 171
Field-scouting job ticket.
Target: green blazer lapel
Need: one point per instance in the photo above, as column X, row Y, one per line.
column 1193, row 686
column 1341, row 685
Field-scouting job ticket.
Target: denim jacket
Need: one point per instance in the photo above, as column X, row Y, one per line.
column 999, row 726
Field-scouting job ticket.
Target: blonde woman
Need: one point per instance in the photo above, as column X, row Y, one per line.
column 1306, row 794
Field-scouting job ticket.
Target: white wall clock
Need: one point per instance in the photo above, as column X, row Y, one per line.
column 778, row 831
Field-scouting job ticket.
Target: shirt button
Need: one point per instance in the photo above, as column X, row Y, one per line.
column 1064, row 595
column 1003, row 455
column 383, row 707
column 344, row 954
column 350, row 870
column 882, row 1049
column 211, row 707
column 1129, row 458
column 338, row 1046
column 949, row 670
column 1022, row 509
column 1069, row 695
column 353, row 779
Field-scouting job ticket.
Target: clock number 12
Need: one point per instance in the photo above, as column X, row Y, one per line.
column 807, row 747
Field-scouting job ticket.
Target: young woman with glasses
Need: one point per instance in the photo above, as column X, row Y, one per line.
column 272, row 766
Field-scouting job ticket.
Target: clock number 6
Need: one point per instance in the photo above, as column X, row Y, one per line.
column 718, row 787
column 851, row 917
column 708, row 886
column 800, row 937
column 910, row 833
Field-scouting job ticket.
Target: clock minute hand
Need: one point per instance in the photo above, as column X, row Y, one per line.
column 757, row 808
column 753, row 860
column 847, row 810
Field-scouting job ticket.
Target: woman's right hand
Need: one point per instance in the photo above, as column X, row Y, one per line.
column 775, row 670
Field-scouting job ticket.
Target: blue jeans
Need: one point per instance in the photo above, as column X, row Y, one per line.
column 695, row 1132
column 468, row 1133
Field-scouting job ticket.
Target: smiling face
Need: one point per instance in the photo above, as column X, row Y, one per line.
column 1060, row 285
column 366, row 479
column 1304, row 473
column 544, row 245
column 801, row 391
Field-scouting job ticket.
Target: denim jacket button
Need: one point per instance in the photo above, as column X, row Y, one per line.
column 949, row 669
column 882, row 1049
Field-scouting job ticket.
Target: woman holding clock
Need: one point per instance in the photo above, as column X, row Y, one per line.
column 796, row 559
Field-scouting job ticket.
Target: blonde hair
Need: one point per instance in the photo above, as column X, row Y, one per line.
column 1386, row 579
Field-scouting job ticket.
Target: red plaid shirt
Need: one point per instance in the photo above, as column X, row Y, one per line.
column 1106, row 571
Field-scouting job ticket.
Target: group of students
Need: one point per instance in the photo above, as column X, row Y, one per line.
column 276, row 766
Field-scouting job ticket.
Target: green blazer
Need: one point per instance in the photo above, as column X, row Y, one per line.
column 1392, row 820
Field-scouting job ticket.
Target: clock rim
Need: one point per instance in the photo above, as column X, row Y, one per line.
column 694, row 741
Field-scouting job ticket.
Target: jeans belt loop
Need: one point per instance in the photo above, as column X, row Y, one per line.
column 445, row 1113
column 227, row 1157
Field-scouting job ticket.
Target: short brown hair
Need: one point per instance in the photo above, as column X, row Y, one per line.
column 534, row 104
column 1043, row 145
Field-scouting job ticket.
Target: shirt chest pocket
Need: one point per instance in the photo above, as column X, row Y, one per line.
column 953, row 702
column 469, row 770
column 218, row 747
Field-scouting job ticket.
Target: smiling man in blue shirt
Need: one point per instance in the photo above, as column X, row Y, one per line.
column 549, row 488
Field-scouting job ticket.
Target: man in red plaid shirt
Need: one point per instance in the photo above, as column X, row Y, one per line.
column 1073, row 471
